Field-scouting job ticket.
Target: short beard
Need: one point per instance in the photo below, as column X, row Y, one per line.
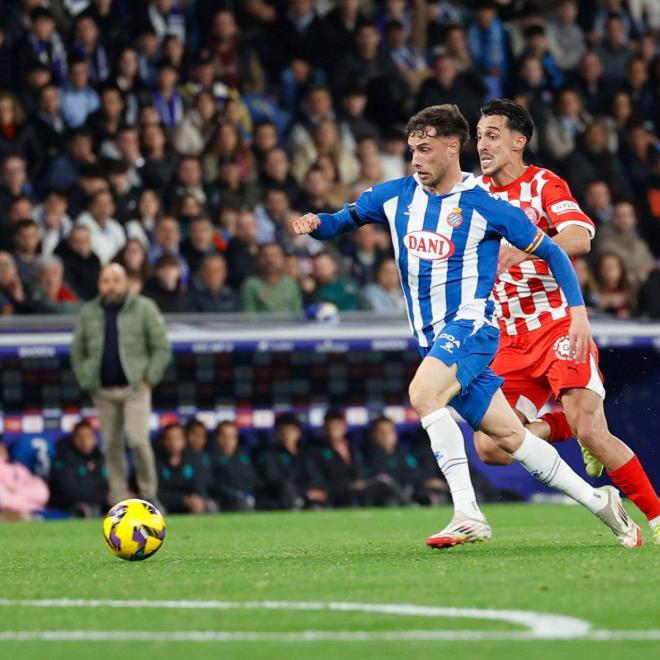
column 115, row 299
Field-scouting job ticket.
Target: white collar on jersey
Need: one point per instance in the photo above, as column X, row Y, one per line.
column 466, row 183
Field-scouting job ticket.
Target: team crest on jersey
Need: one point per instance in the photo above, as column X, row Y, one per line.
column 562, row 348
column 428, row 245
column 455, row 218
column 532, row 214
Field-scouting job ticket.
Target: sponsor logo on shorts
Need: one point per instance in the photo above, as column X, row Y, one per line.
column 532, row 214
column 562, row 348
column 450, row 342
column 428, row 245
column 564, row 207
column 455, row 218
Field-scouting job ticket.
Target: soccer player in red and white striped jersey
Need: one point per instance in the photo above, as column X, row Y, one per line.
column 534, row 355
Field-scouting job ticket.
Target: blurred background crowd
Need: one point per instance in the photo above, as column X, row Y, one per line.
column 176, row 137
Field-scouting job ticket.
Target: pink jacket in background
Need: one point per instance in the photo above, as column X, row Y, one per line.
column 20, row 490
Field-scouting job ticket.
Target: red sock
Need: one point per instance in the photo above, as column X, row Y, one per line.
column 560, row 429
column 632, row 480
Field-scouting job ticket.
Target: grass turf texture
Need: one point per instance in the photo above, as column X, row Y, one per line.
column 545, row 558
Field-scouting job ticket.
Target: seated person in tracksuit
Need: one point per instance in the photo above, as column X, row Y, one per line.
column 78, row 479
column 197, row 441
column 181, row 478
column 233, row 479
column 333, row 467
column 389, row 464
column 282, row 482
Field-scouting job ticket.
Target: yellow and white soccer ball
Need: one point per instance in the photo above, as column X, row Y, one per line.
column 134, row 529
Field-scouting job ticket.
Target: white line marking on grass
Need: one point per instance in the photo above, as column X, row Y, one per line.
column 316, row 636
column 540, row 626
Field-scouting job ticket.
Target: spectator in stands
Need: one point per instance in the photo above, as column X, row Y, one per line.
column 164, row 287
column 188, row 181
column 489, row 48
column 15, row 185
column 640, row 156
column 567, row 35
column 271, row 290
column 108, row 236
column 134, row 259
column 384, row 295
column 620, row 237
column 196, row 436
column 65, row 170
column 159, row 159
column 588, row 284
column 126, row 195
column 615, row 291
column 78, row 481
column 17, row 137
column 566, row 125
column 79, row 99
column 282, row 482
column 43, row 44
column 328, row 286
column 119, row 353
column 592, row 84
column 27, row 238
column 167, row 241
column 640, row 89
column 649, row 296
column 271, row 215
column 54, row 222
column 209, row 291
column 12, row 292
column 389, row 469
column 49, row 294
column 148, row 214
column 354, row 126
column 81, row 266
column 334, row 470
column 594, row 162
column 21, row 493
column 181, row 478
column 368, row 245
column 233, row 478
column 105, row 122
column 446, row 86
column 276, row 173
column 243, row 250
column 315, row 195
column 49, row 123
column 614, row 51
column 201, row 242
column 598, row 202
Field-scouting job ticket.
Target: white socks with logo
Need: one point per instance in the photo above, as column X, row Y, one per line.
column 448, row 448
column 543, row 462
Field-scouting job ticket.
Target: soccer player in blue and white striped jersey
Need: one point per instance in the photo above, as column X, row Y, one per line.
column 446, row 233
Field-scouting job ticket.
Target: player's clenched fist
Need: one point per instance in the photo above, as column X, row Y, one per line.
column 305, row 224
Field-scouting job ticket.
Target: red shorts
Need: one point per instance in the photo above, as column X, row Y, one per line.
column 536, row 366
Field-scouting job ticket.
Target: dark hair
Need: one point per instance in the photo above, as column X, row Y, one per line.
column 225, row 422
column 517, row 118
column 193, row 423
column 167, row 261
column 333, row 414
column 381, row 419
column 446, row 119
column 82, row 424
column 24, row 224
column 287, row 419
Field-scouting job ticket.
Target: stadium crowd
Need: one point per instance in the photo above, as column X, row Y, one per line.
column 176, row 137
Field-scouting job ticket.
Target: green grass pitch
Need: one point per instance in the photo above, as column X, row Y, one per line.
column 543, row 558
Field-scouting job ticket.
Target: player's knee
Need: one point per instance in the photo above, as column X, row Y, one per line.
column 423, row 399
column 589, row 427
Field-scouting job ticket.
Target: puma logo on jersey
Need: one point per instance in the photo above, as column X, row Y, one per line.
column 428, row 245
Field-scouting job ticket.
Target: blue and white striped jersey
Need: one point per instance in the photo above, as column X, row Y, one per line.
column 446, row 246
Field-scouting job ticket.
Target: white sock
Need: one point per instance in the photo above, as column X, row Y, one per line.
column 448, row 448
column 543, row 462
column 655, row 522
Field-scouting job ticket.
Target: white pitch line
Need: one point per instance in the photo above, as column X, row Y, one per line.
column 539, row 624
column 315, row 636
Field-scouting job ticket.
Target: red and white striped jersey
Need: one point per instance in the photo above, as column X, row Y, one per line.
column 527, row 296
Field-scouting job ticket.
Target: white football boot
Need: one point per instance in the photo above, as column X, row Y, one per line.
column 615, row 517
column 461, row 529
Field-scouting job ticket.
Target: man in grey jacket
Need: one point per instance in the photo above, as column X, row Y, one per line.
column 120, row 351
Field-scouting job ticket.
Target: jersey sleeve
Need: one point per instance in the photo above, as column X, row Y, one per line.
column 368, row 208
column 561, row 207
column 509, row 222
